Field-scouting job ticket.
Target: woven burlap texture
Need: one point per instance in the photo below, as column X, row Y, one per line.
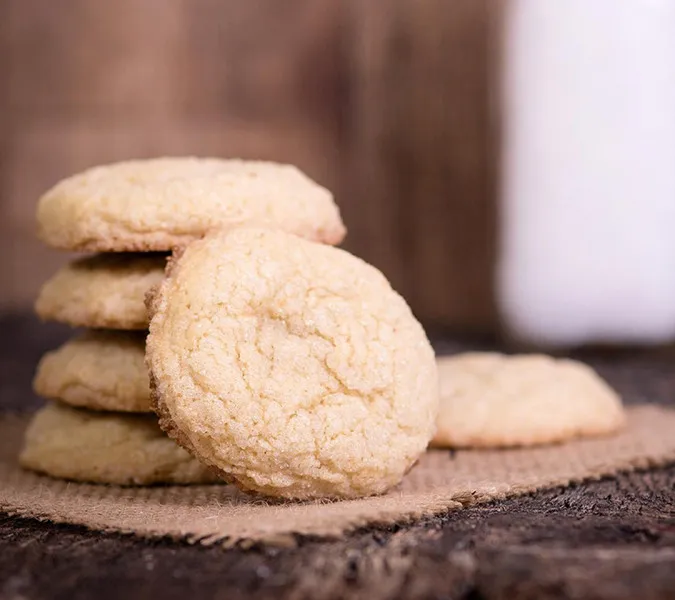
column 441, row 481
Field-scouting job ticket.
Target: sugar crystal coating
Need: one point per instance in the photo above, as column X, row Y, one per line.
column 291, row 366
column 156, row 204
column 100, row 370
column 102, row 291
column 102, row 447
column 493, row 400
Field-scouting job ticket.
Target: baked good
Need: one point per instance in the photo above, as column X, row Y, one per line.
column 290, row 366
column 100, row 447
column 156, row 204
column 493, row 400
column 104, row 290
column 100, row 370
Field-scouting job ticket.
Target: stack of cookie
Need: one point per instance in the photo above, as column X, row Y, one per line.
column 99, row 425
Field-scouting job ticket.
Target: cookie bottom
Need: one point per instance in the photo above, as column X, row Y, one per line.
column 97, row 447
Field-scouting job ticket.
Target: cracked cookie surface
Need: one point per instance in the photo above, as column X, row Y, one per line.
column 103, row 291
column 161, row 203
column 292, row 367
column 493, row 400
column 99, row 370
column 97, row 447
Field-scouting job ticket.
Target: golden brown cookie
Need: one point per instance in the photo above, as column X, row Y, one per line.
column 100, row 370
column 493, row 400
column 99, row 447
column 102, row 291
column 290, row 366
column 157, row 204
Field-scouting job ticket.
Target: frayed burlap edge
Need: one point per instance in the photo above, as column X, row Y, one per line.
column 442, row 481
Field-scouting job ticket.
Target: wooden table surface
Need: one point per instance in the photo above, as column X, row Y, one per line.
column 608, row 539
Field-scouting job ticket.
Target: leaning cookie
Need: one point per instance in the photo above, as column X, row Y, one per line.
column 102, row 291
column 97, row 447
column 100, row 370
column 290, row 366
column 492, row 400
column 158, row 204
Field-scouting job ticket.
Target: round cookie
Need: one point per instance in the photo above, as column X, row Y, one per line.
column 96, row 447
column 493, row 400
column 100, row 370
column 290, row 366
column 104, row 291
column 160, row 203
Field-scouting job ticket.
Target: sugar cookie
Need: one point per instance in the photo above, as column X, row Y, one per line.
column 99, row 447
column 157, row 204
column 100, row 370
column 291, row 366
column 105, row 291
column 492, row 400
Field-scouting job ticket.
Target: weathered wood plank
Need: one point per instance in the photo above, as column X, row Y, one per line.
column 424, row 154
column 90, row 83
column 611, row 539
column 384, row 102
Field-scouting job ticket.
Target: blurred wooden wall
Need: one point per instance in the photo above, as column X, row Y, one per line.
column 386, row 102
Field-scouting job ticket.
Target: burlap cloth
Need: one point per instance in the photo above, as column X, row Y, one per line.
column 442, row 480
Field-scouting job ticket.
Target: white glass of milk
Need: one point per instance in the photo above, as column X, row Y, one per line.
column 588, row 172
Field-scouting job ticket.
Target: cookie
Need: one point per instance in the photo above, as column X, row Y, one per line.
column 290, row 366
column 492, row 400
column 104, row 291
column 161, row 203
column 96, row 447
column 100, row 370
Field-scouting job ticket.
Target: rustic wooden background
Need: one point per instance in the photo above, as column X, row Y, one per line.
column 386, row 102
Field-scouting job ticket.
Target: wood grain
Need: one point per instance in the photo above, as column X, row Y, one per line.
column 612, row 539
column 384, row 102
column 425, row 154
